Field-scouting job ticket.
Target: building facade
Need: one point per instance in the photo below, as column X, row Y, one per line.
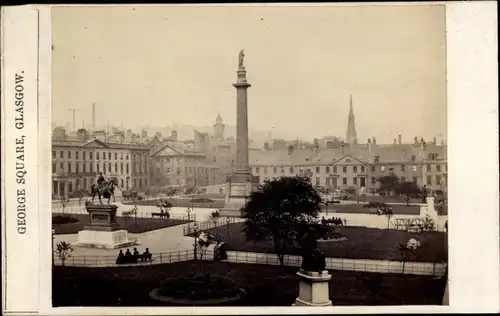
column 76, row 165
column 358, row 166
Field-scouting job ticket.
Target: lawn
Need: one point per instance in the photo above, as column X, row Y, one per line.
column 265, row 285
column 142, row 225
column 180, row 202
column 359, row 209
column 361, row 243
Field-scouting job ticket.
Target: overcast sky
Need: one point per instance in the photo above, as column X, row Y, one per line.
column 167, row 65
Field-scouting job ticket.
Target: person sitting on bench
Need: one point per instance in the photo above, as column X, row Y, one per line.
column 136, row 253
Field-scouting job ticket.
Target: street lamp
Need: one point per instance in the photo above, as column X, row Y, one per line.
column 195, row 241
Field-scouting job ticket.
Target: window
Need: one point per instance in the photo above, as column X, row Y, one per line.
column 373, row 180
column 104, row 168
column 265, row 170
column 96, row 156
column 282, row 170
column 438, row 168
column 362, row 168
column 334, row 169
column 61, row 154
column 403, row 168
column 61, row 167
column 84, row 183
column 355, row 169
column 121, row 180
column 317, row 170
column 275, row 170
column 414, row 168
column 84, row 155
column 373, row 168
column 438, row 179
column 77, row 154
column 53, row 154
column 429, row 168
column 53, row 167
column 429, row 180
column 91, row 167
column 77, row 167
column 178, row 170
column 344, row 169
column 391, row 169
column 69, row 166
column 382, row 168
column 318, row 181
column 344, row 180
column 126, row 158
column 377, row 158
column 91, row 155
column 415, row 180
column 291, row 169
column 121, row 168
column 257, row 170
column 413, row 157
column 84, row 167
column 327, row 169
column 116, row 156
column 69, row 154
column 109, row 156
column 109, row 165
column 121, row 156
column 355, row 181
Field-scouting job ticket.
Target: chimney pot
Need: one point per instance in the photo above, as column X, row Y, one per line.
column 400, row 139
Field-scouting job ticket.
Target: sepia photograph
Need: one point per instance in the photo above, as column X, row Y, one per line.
column 249, row 156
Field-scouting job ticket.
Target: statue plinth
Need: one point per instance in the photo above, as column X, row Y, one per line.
column 103, row 231
column 313, row 289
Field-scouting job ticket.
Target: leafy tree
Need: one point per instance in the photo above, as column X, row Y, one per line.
column 408, row 188
column 63, row 251
column 388, row 183
column 215, row 217
column 277, row 208
column 388, row 213
column 351, row 190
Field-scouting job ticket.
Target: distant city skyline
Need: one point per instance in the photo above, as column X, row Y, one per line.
column 392, row 60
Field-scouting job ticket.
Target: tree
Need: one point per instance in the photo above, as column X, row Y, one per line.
column 388, row 213
column 203, row 241
column 408, row 188
column 63, row 251
column 408, row 251
column 215, row 217
column 388, row 183
column 275, row 210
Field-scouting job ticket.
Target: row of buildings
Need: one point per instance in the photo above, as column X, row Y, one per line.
column 209, row 159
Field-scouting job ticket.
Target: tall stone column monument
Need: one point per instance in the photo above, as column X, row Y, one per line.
column 240, row 184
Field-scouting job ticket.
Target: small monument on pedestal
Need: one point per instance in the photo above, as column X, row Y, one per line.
column 103, row 231
column 314, row 279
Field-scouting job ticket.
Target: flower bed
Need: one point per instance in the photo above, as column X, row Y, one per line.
column 204, row 289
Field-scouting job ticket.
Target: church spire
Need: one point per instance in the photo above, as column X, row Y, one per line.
column 351, row 136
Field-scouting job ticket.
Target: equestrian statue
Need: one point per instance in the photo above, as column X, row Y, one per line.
column 104, row 188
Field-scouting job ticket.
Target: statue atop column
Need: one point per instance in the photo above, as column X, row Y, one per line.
column 241, row 59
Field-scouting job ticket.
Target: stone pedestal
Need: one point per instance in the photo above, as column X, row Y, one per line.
column 103, row 231
column 313, row 289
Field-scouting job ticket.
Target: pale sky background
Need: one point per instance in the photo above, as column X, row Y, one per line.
column 164, row 65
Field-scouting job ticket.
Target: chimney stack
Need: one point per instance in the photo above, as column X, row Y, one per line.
column 400, row 139
column 374, row 141
column 342, row 145
column 369, row 141
column 290, row 149
column 442, row 142
column 93, row 116
column 394, row 142
column 415, row 142
column 434, row 140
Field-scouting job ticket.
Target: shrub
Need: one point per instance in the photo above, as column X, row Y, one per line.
column 63, row 219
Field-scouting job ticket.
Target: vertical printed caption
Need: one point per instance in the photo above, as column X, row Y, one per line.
column 20, row 159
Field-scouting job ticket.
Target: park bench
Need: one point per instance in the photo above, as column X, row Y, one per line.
column 131, row 212
column 160, row 215
column 145, row 257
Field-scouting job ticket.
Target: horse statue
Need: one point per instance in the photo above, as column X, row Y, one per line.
column 107, row 190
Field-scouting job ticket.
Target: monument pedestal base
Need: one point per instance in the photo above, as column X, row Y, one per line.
column 237, row 194
column 104, row 239
column 313, row 289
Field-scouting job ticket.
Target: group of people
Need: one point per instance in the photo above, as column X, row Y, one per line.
column 129, row 257
column 333, row 221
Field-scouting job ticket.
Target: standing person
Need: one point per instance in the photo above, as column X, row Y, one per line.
column 222, row 252
column 217, row 251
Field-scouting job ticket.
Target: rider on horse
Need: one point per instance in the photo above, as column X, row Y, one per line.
column 100, row 182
